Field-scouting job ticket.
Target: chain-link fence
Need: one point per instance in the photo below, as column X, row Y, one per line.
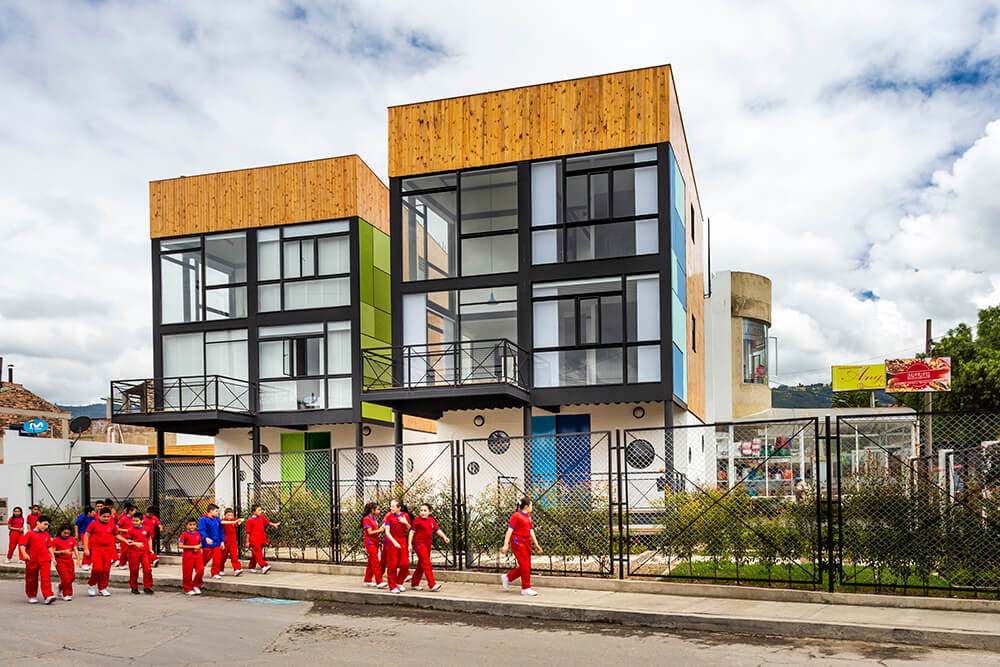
column 58, row 489
column 124, row 481
column 919, row 504
column 414, row 473
column 568, row 477
column 186, row 486
column 733, row 502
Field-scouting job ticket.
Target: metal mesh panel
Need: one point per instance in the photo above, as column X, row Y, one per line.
column 928, row 522
column 295, row 489
column 121, row 481
column 416, row 473
column 723, row 501
column 567, row 476
column 58, row 490
column 186, row 487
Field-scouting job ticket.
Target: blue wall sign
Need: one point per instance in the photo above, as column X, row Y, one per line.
column 35, row 426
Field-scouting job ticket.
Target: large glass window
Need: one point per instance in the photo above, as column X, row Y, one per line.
column 754, row 351
column 305, row 366
column 588, row 332
column 304, row 266
column 203, row 278
column 594, row 207
column 191, row 360
column 678, row 276
column 460, row 224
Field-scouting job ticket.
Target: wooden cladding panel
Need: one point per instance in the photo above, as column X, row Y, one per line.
column 283, row 194
column 582, row 115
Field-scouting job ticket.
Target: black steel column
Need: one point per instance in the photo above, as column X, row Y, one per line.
column 398, row 439
column 160, row 443
column 829, row 509
column 256, row 451
column 526, row 441
column 359, row 480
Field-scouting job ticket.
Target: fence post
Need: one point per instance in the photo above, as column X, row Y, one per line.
column 336, row 504
column 611, row 508
column 829, row 507
column 84, row 483
column 622, row 494
column 334, row 527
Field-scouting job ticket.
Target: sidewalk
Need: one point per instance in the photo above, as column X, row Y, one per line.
column 855, row 622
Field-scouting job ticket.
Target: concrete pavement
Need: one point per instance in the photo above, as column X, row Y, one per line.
column 790, row 619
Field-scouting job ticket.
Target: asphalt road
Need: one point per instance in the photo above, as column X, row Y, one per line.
column 169, row 628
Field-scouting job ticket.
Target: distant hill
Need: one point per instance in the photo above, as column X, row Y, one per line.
column 814, row 396
column 94, row 410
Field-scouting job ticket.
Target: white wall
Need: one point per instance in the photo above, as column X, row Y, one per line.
column 719, row 346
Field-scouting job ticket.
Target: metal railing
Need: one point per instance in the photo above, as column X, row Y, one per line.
column 183, row 394
column 467, row 362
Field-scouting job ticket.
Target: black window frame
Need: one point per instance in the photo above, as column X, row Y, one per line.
column 565, row 174
column 202, row 286
column 281, row 281
column 325, row 375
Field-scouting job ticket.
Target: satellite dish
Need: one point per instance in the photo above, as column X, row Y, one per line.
column 79, row 424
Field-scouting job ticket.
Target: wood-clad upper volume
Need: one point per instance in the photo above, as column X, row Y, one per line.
column 326, row 189
column 595, row 113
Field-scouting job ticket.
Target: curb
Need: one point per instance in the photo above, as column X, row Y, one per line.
column 879, row 634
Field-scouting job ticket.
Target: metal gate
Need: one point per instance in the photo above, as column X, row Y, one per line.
column 728, row 502
column 186, row 486
column 59, row 489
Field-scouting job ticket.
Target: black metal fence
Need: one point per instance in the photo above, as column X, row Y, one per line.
column 906, row 503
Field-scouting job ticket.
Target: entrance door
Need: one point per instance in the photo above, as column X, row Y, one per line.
column 299, row 465
column 564, row 457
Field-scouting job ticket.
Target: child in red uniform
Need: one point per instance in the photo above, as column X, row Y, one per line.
column 124, row 524
column 421, row 536
column 80, row 527
column 231, row 544
column 33, row 516
column 151, row 522
column 370, row 531
column 257, row 537
column 397, row 556
column 15, row 531
column 67, row 555
column 99, row 544
column 38, row 556
column 522, row 530
column 140, row 552
column 192, row 564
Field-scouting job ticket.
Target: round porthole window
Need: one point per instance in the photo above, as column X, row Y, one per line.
column 368, row 464
column 366, row 430
column 473, row 467
column 265, row 453
column 638, row 412
column 499, row 442
column 639, row 454
column 409, row 465
column 479, row 420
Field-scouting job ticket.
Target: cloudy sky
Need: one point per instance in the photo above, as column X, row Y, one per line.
column 850, row 151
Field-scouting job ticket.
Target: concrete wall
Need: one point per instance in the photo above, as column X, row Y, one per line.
column 719, row 347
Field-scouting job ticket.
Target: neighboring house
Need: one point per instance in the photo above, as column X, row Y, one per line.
column 18, row 405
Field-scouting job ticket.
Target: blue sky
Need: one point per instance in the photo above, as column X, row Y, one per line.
column 844, row 151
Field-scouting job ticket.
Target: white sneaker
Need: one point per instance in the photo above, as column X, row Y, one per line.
column 91, row 591
column 217, row 576
column 264, row 569
column 6, row 560
column 528, row 591
column 197, row 591
column 32, row 600
column 67, row 598
column 418, row 587
column 50, row 599
column 400, row 589
column 191, row 592
column 407, row 580
column 396, row 591
column 435, row 587
column 237, row 573
column 253, row 570
column 122, row 567
column 505, row 582
column 370, row 584
column 86, row 568
column 105, row 592
column 382, row 585
column 221, row 575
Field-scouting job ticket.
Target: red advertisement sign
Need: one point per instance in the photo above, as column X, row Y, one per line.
column 917, row 375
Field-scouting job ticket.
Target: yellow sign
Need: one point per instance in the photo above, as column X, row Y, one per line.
column 859, row 378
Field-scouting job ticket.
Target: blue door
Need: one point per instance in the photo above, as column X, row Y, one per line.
column 560, row 451
column 544, row 460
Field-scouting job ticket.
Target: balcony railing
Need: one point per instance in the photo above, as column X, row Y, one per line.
column 183, row 394
column 462, row 363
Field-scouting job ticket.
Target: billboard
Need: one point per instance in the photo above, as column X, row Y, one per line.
column 859, row 378
column 917, row 375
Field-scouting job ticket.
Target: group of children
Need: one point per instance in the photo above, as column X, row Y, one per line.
column 405, row 533
column 127, row 540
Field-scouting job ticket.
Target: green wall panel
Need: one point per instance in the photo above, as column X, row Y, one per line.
column 293, row 466
column 382, row 291
column 383, row 326
column 373, row 411
column 380, row 250
column 367, row 319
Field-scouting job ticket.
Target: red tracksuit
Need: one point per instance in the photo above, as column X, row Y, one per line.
column 374, row 567
column 14, row 537
column 397, row 559
column 39, row 564
column 257, row 538
column 192, row 565
column 139, row 556
column 230, row 548
column 423, row 535
column 32, row 520
column 124, row 524
column 102, row 552
column 65, row 566
column 520, row 545
column 152, row 524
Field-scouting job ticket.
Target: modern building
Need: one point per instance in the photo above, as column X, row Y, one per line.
column 267, row 283
column 547, row 272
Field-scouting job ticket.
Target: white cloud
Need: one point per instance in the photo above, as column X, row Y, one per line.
column 835, row 150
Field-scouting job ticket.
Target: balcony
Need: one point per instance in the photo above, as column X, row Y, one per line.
column 425, row 380
column 195, row 404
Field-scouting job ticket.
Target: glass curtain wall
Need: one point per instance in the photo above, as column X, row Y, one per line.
column 754, row 351
column 678, row 277
column 305, row 366
column 190, row 363
column 203, row 278
column 304, row 266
